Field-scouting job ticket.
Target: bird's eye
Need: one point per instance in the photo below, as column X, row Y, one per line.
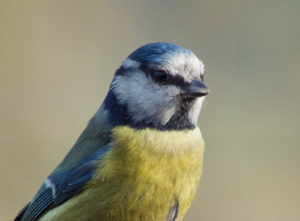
column 160, row 77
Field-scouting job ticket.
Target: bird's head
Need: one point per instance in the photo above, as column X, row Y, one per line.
column 160, row 85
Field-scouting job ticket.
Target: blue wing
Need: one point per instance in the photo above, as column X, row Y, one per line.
column 60, row 186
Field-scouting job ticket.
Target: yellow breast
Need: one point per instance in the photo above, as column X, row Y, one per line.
column 140, row 178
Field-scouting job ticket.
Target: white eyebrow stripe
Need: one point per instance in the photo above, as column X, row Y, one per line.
column 129, row 63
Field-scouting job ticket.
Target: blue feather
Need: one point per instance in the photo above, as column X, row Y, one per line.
column 66, row 184
column 157, row 53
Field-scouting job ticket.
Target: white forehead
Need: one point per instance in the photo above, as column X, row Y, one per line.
column 186, row 65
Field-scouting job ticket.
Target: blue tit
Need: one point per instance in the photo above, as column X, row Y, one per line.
column 140, row 156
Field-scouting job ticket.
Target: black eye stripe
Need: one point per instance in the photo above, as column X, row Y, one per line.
column 170, row 80
column 178, row 81
column 173, row 80
column 160, row 77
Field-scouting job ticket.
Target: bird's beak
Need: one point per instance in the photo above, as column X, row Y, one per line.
column 195, row 89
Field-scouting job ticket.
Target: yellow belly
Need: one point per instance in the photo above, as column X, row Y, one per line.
column 140, row 178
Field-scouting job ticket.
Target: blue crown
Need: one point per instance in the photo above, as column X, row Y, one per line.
column 157, row 52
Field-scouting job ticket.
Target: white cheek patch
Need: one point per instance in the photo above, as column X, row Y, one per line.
column 195, row 110
column 145, row 100
column 129, row 63
column 166, row 115
column 130, row 88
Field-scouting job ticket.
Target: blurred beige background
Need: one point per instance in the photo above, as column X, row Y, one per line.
column 58, row 57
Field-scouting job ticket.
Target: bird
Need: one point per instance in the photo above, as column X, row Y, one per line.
column 140, row 156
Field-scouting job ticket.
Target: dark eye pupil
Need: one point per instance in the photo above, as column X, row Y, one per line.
column 160, row 77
